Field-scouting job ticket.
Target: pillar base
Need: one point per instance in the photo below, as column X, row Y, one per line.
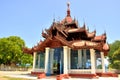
column 108, row 74
column 40, row 76
column 84, row 75
column 62, row 76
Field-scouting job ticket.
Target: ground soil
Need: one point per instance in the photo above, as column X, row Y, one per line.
column 2, row 78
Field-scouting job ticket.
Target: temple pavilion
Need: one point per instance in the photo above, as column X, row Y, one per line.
column 70, row 49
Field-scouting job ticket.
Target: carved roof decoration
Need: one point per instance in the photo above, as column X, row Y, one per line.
column 68, row 33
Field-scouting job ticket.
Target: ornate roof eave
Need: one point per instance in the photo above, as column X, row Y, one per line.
column 100, row 38
column 39, row 47
column 63, row 41
column 61, row 31
column 27, row 50
column 45, row 34
column 106, row 47
column 43, row 44
column 72, row 44
column 72, row 23
column 86, row 45
column 91, row 34
column 76, row 30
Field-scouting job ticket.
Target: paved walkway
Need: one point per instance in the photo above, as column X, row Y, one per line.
column 26, row 74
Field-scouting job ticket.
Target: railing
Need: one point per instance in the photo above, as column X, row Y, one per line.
column 39, row 70
column 77, row 71
column 98, row 70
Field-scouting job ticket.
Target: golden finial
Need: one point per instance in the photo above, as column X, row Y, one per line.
column 68, row 10
column 68, row 4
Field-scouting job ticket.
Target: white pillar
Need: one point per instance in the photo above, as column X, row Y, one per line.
column 84, row 51
column 46, row 59
column 92, row 54
column 102, row 61
column 65, row 60
column 51, row 58
column 34, row 60
column 69, row 58
column 80, row 58
column 38, row 60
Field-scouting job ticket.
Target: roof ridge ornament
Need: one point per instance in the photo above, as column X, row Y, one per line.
column 84, row 25
column 68, row 9
column 104, row 33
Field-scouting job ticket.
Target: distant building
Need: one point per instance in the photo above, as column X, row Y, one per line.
column 69, row 49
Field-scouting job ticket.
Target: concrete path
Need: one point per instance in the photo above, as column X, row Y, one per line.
column 26, row 74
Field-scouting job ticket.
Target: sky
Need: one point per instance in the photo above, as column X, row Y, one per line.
column 27, row 18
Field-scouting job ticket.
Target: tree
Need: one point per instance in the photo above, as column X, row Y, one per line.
column 113, row 47
column 116, row 59
column 26, row 59
column 11, row 51
column 114, row 55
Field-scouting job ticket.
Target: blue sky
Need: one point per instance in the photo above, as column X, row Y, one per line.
column 27, row 18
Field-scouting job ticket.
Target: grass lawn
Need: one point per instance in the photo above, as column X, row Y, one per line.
column 11, row 78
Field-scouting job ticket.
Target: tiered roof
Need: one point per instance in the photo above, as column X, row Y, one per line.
column 68, row 33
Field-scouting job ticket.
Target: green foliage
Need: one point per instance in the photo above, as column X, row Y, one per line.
column 11, row 51
column 27, row 58
column 114, row 55
column 116, row 59
column 113, row 47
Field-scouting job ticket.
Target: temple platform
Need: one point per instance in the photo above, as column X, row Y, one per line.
column 63, row 77
column 83, row 76
column 27, row 75
column 108, row 74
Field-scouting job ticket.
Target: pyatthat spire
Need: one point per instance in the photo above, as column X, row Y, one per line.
column 68, row 9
